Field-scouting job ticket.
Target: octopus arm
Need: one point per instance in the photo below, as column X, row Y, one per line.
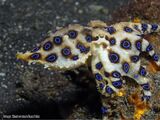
column 140, row 28
column 153, row 57
column 107, row 74
column 67, row 48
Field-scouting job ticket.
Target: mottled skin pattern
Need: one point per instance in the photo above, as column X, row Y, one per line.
column 114, row 51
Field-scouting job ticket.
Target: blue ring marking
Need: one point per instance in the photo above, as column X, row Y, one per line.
column 66, row 51
column 145, row 86
column 139, row 45
column 111, row 30
column 149, row 48
column 57, row 40
column 106, row 74
column 72, row 34
column 112, row 41
column 104, row 110
column 101, row 85
column 35, row 49
column 51, row 58
column 35, row 56
column 99, row 65
column 142, row 71
column 109, row 90
column 116, row 74
column 98, row 76
column 145, row 97
column 135, row 58
column 136, row 76
column 136, row 27
column 125, row 67
column 144, row 27
column 117, row 84
column 79, row 45
column 88, row 38
column 114, row 57
column 126, row 44
column 47, row 46
column 127, row 29
column 75, row 57
column 154, row 27
column 82, row 48
column 155, row 57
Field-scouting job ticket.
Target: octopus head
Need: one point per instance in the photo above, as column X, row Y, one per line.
column 101, row 38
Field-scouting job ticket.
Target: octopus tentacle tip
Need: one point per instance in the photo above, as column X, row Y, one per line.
column 20, row 56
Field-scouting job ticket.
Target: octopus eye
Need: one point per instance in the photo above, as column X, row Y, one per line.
column 126, row 44
column 127, row 29
column 98, row 76
column 66, row 51
column 154, row 27
column 144, row 27
column 155, row 57
column 88, row 38
column 99, row 65
column 116, row 74
column 104, row 110
column 135, row 58
column 111, row 30
column 117, row 84
column 35, row 56
column 149, row 48
column 125, row 67
column 47, row 46
column 142, row 71
column 145, row 86
column 101, row 85
column 57, row 40
column 75, row 57
column 139, row 45
column 96, row 38
column 35, row 49
column 114, row 57
column 51, row 58
column 109, row 90
column 72, row 34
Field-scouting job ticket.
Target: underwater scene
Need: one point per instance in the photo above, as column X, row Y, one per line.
column 80, row 59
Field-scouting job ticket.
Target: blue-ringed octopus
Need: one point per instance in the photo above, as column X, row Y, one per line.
column 114, row 51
